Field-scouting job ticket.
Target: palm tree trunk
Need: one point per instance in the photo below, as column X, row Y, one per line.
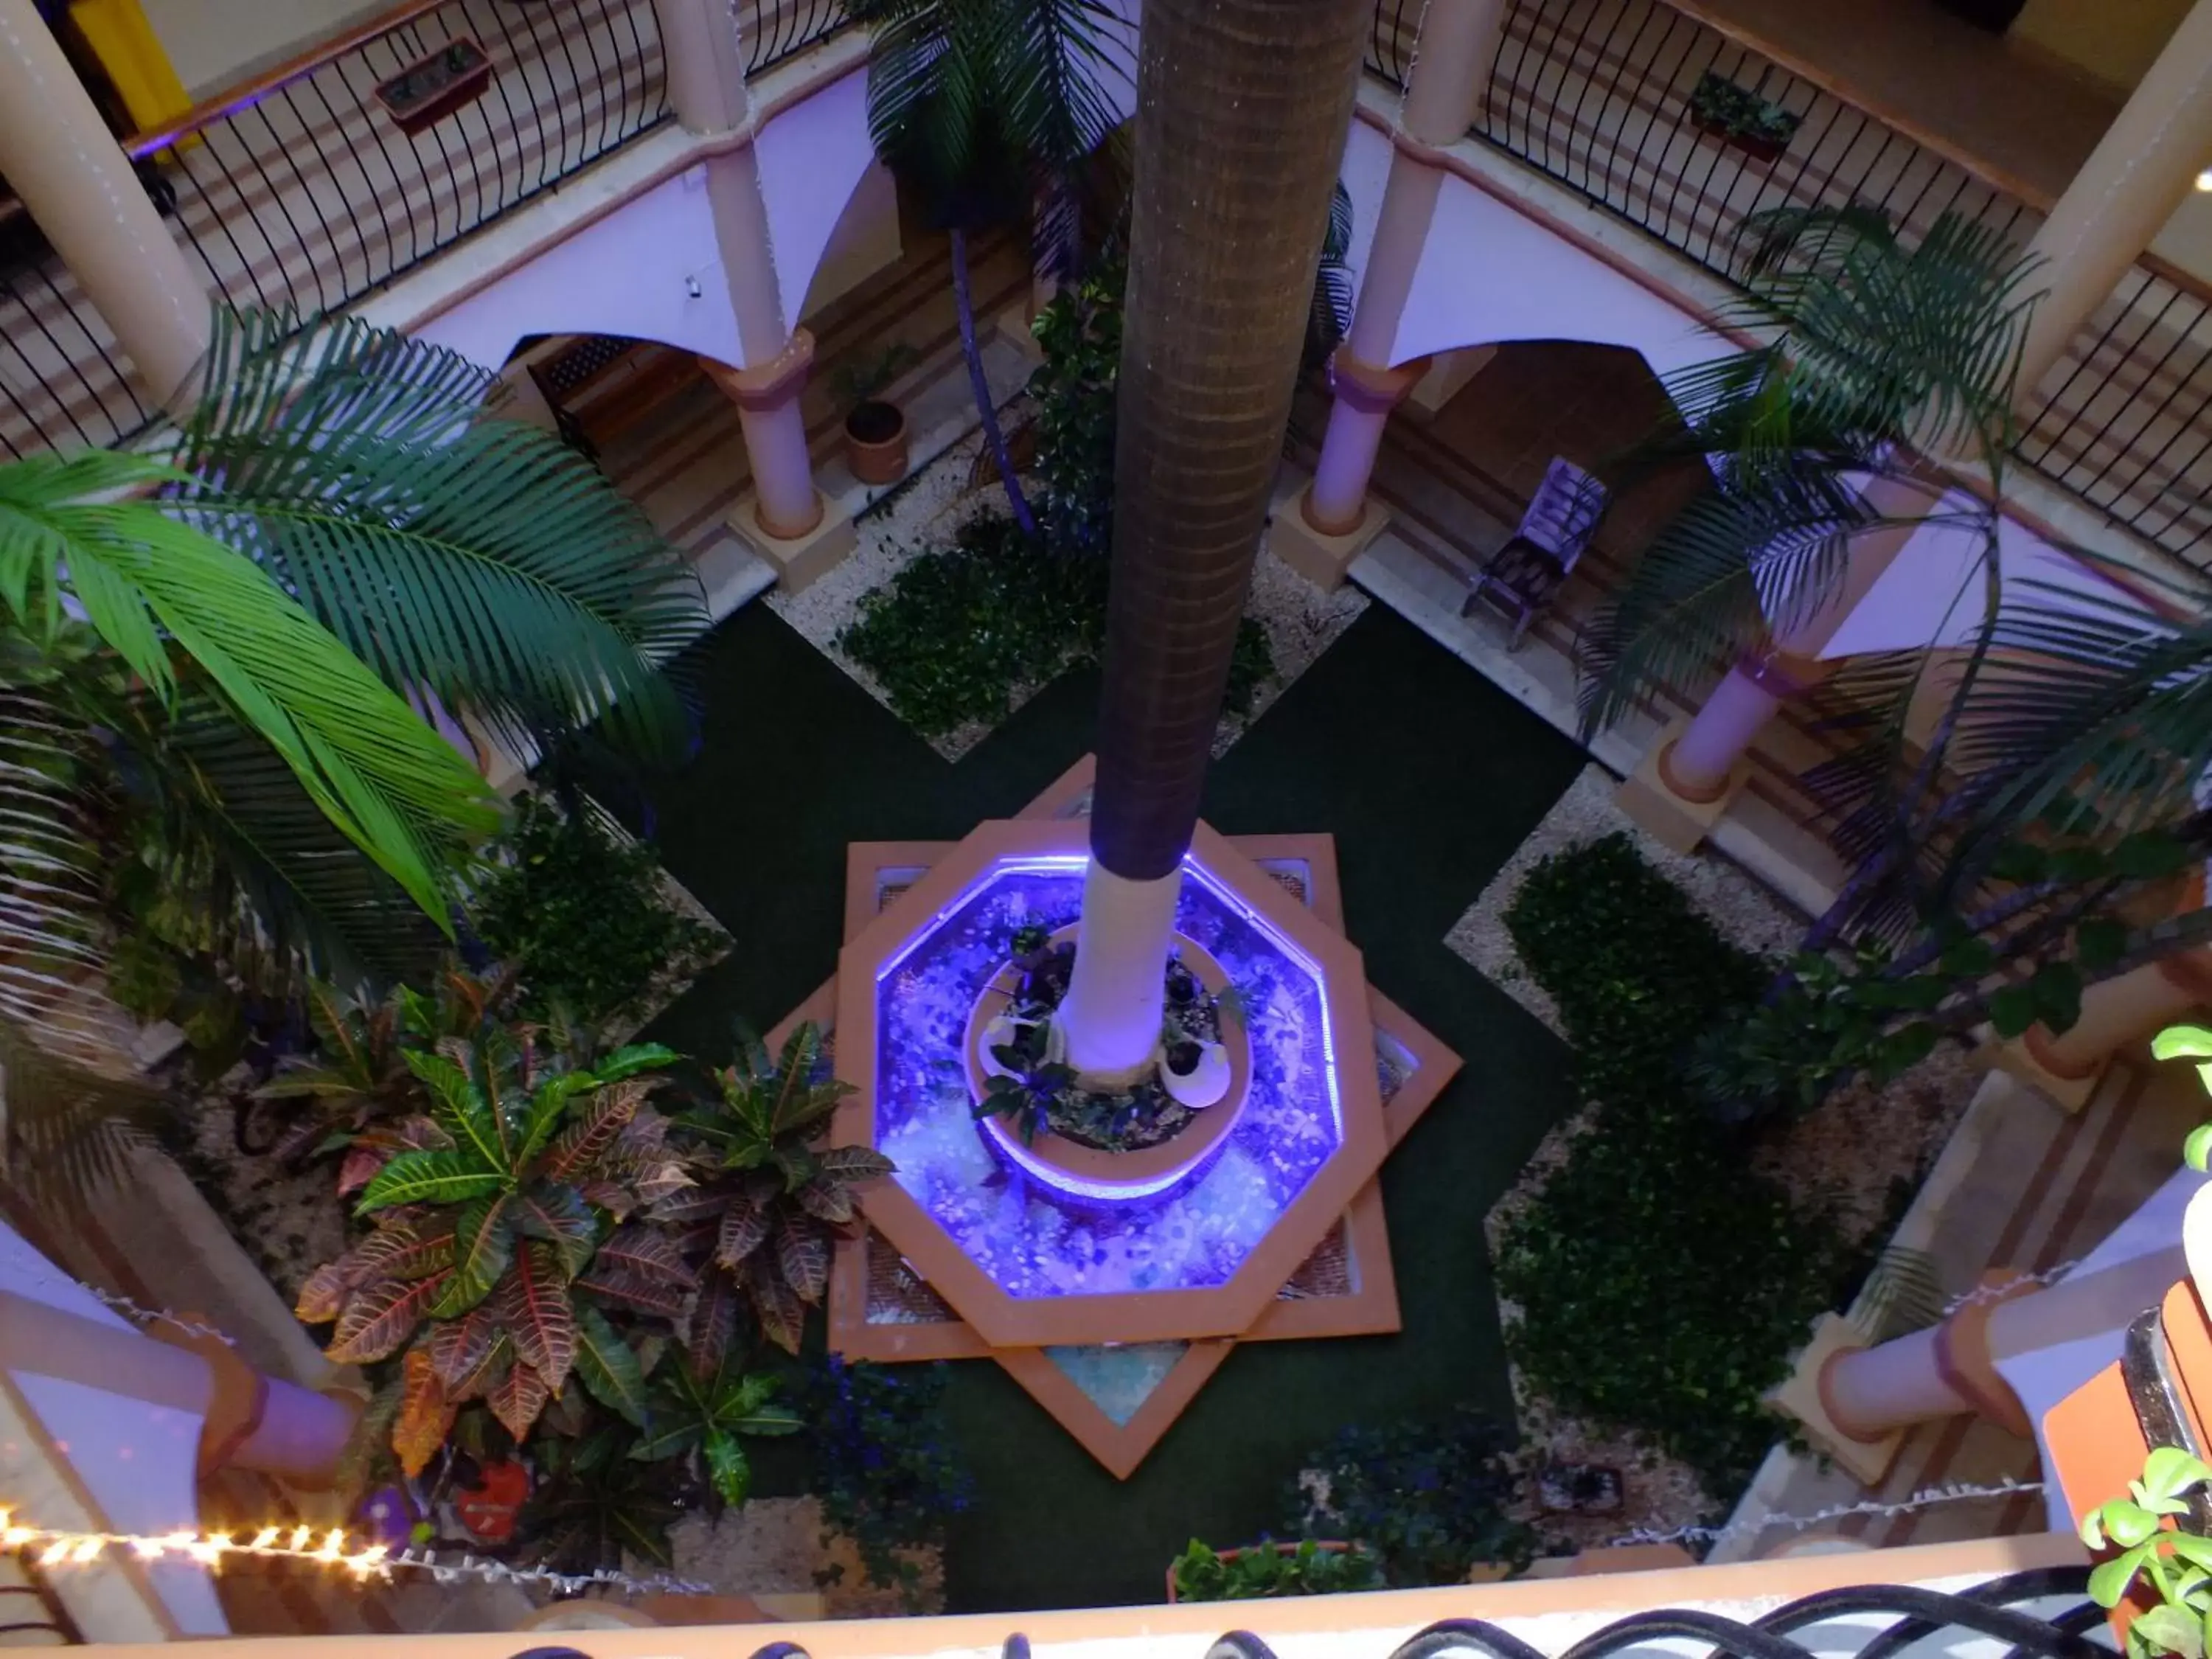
column 964, row 301
column 1242, row 110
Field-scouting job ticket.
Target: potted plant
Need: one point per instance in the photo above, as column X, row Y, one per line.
column 875, row 428
column 433, row 87
column 1309, row 1567
column 1741, row 118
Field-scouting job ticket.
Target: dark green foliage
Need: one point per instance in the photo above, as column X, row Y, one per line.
column 1080, row 332
column 1429, row 1498
column 591, row 1504
column 1268, row 1568
column 882, row 1469
column 1662, row 1285
column 1721, row 105
column 580, row 915
column 954, row 635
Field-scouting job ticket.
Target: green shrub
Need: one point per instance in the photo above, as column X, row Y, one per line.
column 1428, row 1499
column 579, row 913
column 1662, row 1286
column 1265, row 1569
column 1081, row 334
column 954, row 635
column 885, row 1474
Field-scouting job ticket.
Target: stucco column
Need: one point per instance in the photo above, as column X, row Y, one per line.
column 1451, row 67
column 1686, row 779
column 250, row 1421
column 59, row 157
column 706, row 85
column 2129, row 1008
column 2138, row 174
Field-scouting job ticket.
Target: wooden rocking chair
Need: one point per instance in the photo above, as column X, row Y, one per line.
column 1521, row 581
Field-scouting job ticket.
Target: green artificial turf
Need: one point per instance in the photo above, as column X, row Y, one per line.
column 1428, row 777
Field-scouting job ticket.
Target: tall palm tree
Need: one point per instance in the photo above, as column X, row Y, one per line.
column 1242, row 107
column 980, row 108
column 213, row 648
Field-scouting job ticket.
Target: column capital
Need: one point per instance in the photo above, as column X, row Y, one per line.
column 769, row 385
column 1368, row 387
column 1962, row 1353
column 1780, row 674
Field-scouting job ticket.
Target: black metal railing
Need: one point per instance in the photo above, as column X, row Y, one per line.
column 2125, row 422
column 1390, row 39
column 1686, row 132
column 1628, row 102
column 61, row 378
column 774, row 29
column 305, row 191
column 2045, row 1613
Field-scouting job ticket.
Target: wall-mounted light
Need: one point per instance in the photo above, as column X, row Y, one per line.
column 692, row 284
column 2205, row 179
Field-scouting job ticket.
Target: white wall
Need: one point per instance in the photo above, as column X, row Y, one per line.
column 214, row 44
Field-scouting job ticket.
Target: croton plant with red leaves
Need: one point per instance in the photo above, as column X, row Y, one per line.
column 537, row 1221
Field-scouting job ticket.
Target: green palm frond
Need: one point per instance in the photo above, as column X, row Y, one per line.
column 146, row 578
column 479, row 558
column 67, row 1130
column 1871, row 348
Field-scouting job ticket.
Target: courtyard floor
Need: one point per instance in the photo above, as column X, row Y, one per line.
column 1428, row 777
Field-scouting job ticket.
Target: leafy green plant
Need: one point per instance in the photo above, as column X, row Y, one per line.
column 769, row 1198
column 356, row 1076
column 580, row 913
column 1080, row 335
column 960, row 630
column 863, row 378
column 592, row 1503
column 1677, row 1344
column 1428, row 1499
column 2173, row 1564
column 1268, row 1569
column 702, row 1421
column 492, row 1240
column 1033, row 1086
column 1718, row 105
column 882, row 1468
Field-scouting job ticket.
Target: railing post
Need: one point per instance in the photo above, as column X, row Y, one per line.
column 784, row 517
column 1332, row 521
column 2141, row 171
column 59, row 157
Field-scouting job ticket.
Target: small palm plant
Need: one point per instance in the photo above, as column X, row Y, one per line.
column 769, row 1198
column 979, row 107
column 222, row 655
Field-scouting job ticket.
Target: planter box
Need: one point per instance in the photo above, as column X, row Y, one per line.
column 1761, row 149
column 1325, row 1546
column 432, row 88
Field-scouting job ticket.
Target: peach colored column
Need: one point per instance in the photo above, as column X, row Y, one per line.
column 706, row 85
column 1451, row 66
column 1868, row 1393
column 251, row 1421
column 1697, row 765
column 2129, row 1008
column 2139, row 174
column 59, row 157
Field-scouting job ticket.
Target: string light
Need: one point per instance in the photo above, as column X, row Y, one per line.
column 331, row 1550
column 1926, row 1497
column 1982, row 1294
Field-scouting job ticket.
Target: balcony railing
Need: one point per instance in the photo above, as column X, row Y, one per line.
column 1603, row 95
column 300, row 190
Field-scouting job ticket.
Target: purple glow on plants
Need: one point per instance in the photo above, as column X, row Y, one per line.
column 1030, row 1228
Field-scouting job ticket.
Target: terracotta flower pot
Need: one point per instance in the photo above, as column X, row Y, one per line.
column 875, row 441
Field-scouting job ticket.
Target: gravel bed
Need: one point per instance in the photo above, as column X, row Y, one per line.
column 1747, row 913
column 1301, row 621
column 773, row 1545
column 1856, row 1157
